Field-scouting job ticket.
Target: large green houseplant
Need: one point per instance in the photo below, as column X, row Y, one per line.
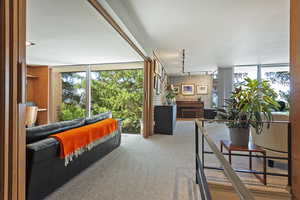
column 249, row 105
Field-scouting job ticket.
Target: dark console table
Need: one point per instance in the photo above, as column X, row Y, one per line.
column 190, row 109
column 165, row 119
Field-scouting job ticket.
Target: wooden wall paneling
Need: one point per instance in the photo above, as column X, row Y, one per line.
column 146, row 100
column 12, row 99
column 151, row 93
column 38, row 90
column 148, row 94
column 295, row 95
column 4, row 92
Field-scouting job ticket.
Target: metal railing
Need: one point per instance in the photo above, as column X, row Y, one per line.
column 237, row 184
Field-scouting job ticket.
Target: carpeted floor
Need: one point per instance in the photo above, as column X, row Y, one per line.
column 160, row 168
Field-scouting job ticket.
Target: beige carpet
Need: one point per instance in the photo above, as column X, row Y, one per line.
column 159, row 168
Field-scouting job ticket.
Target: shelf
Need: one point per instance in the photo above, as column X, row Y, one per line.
column 31, row 76
column 42, row 109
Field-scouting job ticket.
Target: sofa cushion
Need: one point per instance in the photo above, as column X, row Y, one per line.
column 42, row 150
column 66, row 125
column 98, row 118
column 41, row 132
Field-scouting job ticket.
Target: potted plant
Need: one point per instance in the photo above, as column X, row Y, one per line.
column 250, row 104
column 199, row 99
column 170, row 95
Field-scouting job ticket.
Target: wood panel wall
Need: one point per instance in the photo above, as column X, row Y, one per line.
column 38, row 90
column 12, row 99
column 148, row 99
column 295, row 96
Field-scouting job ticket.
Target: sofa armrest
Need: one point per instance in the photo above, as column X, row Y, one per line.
column 119, row 124
column 42, row 150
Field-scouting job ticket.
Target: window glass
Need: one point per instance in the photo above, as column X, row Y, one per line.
column 119, row 91
column 73, row 96
column 279, row 79
column 240, row 73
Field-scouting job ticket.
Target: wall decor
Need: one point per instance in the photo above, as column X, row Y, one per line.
column 158, row 67
column 202, row 89
column 176, row 89
column 188, row 89
column 163, row 75
column 158, row 85
column 155, row 82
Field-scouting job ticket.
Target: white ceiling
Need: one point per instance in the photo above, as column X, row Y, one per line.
column 213, row 32
column 68, row 32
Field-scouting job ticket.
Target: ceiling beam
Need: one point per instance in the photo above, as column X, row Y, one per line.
column 101, row 10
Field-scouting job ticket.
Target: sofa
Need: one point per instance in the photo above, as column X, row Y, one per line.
column 46, row 171
column 275, row 138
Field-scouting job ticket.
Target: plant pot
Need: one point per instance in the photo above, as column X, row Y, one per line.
column 239, row 136
column 169, row 101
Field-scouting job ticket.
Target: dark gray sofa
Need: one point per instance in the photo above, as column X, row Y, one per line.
column 46, row 171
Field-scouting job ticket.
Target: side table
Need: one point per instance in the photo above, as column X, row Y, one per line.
column 251, row 148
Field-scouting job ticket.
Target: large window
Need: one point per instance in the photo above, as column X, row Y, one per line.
column 73, row 92
column 119, row 91
column 85, row 91
column 240, row 73
column 279, row 79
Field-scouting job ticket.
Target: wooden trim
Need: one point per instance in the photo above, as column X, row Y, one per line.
column 116, row 26
column 12, row 97
column 151, row 91
column 3, row 99
column 146, row 101
column 148, row 69
column 295, row 95
column 148, row 98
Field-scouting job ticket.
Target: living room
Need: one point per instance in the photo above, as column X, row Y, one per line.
column 75, row 49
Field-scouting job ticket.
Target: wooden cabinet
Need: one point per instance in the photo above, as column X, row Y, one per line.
column 165, row 119
column 190, row 109
column 38, row 91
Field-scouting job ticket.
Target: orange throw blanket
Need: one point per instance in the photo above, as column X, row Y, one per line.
column 76, row 141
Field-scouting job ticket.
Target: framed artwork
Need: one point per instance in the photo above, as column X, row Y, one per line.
column 158, row 85
column 155, row 82
column 188, row 89
column 163, row 75
column 158, row 68
column 202, row 89
column 176, row 89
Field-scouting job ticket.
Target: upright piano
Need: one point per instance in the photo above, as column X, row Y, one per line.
column 190, row 109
